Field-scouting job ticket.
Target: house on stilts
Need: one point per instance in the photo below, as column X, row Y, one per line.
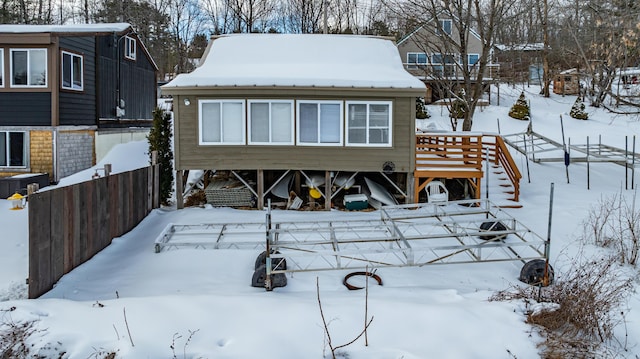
column 338, row 121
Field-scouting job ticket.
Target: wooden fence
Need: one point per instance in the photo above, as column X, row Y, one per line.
column 69, row 225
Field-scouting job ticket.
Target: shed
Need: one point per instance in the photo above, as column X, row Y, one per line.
column 266, row 104
column 567, row 83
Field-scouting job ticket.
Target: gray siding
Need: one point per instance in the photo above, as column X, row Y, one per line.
column 75, row 151
column 190, row 155
column 79, row 108
column 25, row 108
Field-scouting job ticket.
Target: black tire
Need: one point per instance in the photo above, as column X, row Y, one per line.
column 276, row 264
column 260, row 276
column 533, row 273
column 345, row 281
column 493, row 227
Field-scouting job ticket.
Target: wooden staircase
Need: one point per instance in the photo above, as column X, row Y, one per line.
column 461, row 156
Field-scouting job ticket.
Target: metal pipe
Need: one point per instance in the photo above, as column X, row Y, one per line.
column 267, row 281
column 626, row 163
column 588, row 172
column 633, row 162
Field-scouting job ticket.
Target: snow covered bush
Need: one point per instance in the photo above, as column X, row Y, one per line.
column 421, row 109
column 458, row 107
column 577, row 110
column 520, row 110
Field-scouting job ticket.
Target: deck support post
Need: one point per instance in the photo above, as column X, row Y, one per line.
column 410, row 195
column 179, row 190
column 260, row 189
column 327, row 190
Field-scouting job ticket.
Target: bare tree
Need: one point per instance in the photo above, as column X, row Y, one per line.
column 606, row 35
column 186, row 21
column 250, row 15
column 301, row 16
column 27, row 11
column 444, row 33
column 219, row 14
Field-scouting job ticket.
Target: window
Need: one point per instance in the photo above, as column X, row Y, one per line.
column 1, row 67
column 71, row 71
column 414, row 59
column 473, row 59
column 129, row 48
column 222, row 122
column 444, row 26
column 29, row 67
column 448, row 60
column 320, row 123
column 369, row 123
column 271, row 122
column 12, row 149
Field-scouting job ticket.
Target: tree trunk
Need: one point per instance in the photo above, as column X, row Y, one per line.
column 546, row 78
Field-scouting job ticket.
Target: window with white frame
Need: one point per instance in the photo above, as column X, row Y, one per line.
column 320, row 123
column 72, row 78
column 415, row 59
column 221, row 122
column 1, row 67
column 369, row 123
column 28, row 67
column 271, row 122
column 473, row 59
column 129, row 48
column 444, row 26
column 12, row 149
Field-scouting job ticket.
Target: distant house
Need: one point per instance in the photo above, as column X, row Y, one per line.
column 430, row 58
column 520, row 62
column 68, row 93
column 264, row 105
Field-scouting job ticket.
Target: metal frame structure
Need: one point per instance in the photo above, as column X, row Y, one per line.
column 404, row 236
column 532, row 143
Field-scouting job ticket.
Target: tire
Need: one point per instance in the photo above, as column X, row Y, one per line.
column 260, row 276
column 533, row 273
column 277, row 264
column 345, row 281
column 493, row 227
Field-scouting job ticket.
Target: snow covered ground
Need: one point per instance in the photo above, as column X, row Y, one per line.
column 195, row 303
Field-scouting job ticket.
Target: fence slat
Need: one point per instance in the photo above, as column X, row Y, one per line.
column 57, row 215
column 40, row 276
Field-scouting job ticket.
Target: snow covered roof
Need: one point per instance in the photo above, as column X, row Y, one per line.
column 538, row 46
column 305, row 60
column 74, row 28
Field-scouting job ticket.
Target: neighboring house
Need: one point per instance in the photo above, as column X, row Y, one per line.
column 68, row 93
column 520, row 62
column 430, row 58
column 264, row 104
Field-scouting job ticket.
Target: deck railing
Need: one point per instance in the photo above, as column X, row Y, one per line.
column 460, row 155
column 448, row 152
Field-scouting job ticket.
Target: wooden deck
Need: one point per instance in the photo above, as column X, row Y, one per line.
column 460, row 156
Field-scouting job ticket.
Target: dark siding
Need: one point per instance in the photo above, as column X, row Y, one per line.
column 25, row 109
column 79, row 108
column 136, row 83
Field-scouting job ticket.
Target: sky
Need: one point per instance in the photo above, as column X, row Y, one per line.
column 140, row 304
